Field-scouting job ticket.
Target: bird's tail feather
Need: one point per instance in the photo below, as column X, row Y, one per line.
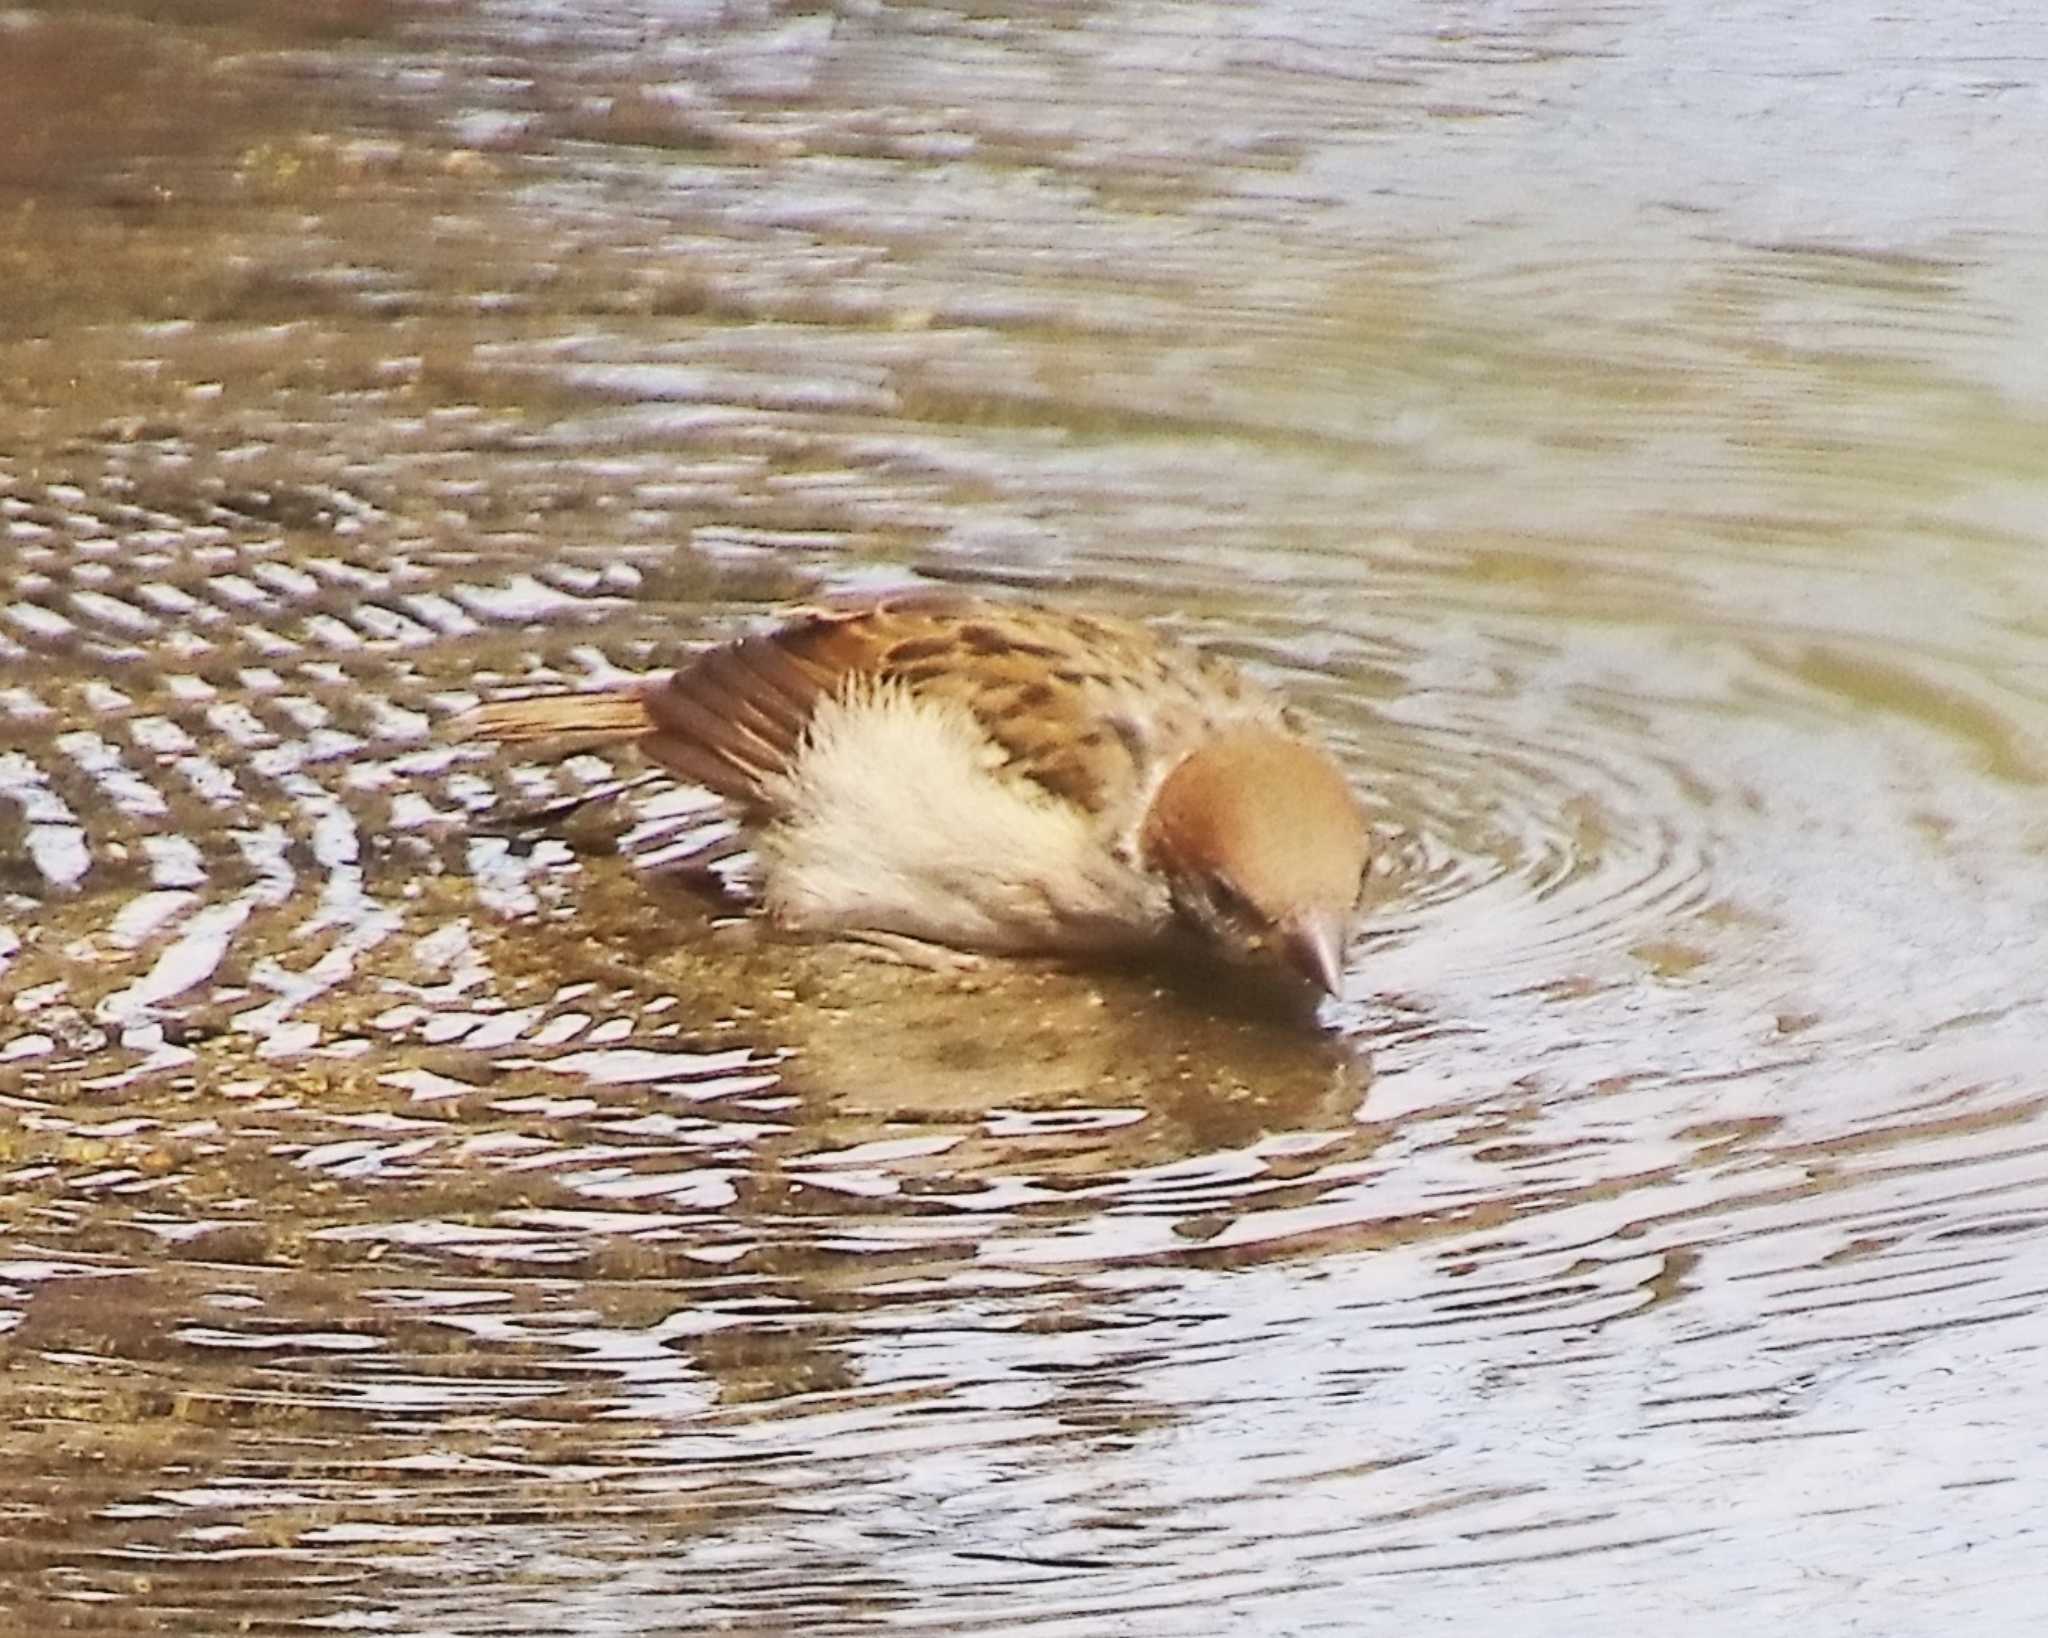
column 605, row 717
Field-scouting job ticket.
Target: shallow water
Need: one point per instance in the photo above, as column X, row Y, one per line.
column 1625, row 434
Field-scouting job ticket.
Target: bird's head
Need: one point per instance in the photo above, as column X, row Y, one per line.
column 1263, row 848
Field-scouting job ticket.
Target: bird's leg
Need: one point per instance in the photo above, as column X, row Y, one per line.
column 514, row 821
column 701, row 866
column 906, row 951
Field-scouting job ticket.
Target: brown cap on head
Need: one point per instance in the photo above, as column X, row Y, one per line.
column 1272, row 819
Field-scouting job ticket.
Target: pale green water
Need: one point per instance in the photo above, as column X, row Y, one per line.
column 1625, row 433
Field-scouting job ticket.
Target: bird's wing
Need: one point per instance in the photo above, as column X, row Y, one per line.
column 1072, row 701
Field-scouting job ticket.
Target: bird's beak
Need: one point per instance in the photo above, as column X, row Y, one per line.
column 1313, row 943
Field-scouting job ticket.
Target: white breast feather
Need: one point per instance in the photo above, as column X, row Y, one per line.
column 895, row 817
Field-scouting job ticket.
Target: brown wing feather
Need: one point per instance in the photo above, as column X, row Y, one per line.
column 1045, row 684
column 1078, row 703
column 736, row 714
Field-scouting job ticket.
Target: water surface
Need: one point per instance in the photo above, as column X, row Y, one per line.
column 1623, row 432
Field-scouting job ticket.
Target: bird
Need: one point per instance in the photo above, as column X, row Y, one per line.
column 943, row 776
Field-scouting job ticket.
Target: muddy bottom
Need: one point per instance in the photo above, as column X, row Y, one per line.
column 1622, row 436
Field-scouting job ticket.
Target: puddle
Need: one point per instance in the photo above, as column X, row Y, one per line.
column 409, row 1225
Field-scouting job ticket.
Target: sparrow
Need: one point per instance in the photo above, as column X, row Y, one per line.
column 938, row 774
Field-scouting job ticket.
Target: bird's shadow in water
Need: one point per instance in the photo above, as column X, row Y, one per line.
column 1215, row 1055
column 1218, row 1053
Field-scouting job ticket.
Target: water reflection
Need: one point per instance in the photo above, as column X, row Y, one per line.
column 411, row 1224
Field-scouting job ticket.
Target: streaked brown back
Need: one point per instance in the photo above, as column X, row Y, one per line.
column 1053, row 689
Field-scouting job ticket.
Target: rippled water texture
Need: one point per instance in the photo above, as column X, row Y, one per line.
column 1622, row 425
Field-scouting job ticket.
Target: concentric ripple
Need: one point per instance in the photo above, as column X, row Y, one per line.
column 1529, row 834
